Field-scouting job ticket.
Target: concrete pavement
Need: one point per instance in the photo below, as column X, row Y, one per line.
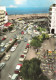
column 13, row 61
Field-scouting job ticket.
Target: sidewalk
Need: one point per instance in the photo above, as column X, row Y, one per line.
column 31, row 54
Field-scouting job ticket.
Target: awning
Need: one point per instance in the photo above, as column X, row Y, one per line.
column 6, row 13
column 8, row 24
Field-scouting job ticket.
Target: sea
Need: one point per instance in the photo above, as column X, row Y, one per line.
column 26, row 10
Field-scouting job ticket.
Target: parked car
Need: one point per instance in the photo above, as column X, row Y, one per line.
column 23, row 55
column 18, row 41
column 7, row 57
column 14, row 77
column 2, row 44
column 12, row 49
column 25, row 39
column 27, row 46
column 15, row 36
column 6, row 45
column 2, row 64
column 2, row 49
column 25, row 51
column 11, row 40
column 3, row 38
column 21, row 59
column 18, row 67
column 16, row 44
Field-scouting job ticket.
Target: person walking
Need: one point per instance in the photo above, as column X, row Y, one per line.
column 9, row 75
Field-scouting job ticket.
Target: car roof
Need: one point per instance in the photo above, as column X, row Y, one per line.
column 14, row 76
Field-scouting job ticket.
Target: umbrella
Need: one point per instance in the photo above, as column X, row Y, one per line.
column 28, row 44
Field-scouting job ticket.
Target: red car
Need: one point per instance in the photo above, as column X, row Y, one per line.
column 3, row 38
column 18, row 67
column 22, row 56
column 22, row 32
column 27, row 46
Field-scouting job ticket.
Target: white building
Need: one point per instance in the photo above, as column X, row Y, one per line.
column 3, row 16
column 52, row 19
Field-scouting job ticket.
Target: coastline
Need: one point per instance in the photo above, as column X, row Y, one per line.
column 28, row 15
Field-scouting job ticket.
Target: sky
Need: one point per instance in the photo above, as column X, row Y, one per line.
column 26, row 3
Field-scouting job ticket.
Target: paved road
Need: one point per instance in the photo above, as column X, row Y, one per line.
column 10, row 35
column 11, row 64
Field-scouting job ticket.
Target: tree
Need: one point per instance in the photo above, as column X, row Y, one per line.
column 45, row 36
column 24, row 70
column 35, row 42
column 31, row 70
column 4, row 30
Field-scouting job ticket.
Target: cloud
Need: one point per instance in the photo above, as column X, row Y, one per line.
column 12, row 6
column 20, row 1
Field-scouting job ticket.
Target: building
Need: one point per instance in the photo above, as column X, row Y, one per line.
column 3, row 16
column 52, row 19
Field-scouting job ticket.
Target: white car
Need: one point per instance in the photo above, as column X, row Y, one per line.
column 14, row 77
column 12, row 49
column 21, row 59
column 5, row 36
column 7, row 57
column 18, row 67
column 11, row 40
column 2, row 44
column 6, row 45
column 15, row 45
column 25, row 51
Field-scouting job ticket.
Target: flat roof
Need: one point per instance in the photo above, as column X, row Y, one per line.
column 3, row 8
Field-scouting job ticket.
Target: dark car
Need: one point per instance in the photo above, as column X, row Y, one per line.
column 2, row 65
column 18, row 41
column 3, row 38
column 25, row 39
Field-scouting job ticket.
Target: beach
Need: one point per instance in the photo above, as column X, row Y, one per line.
column 28, row 15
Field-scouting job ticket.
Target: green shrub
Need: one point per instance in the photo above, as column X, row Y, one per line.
column 4, row 30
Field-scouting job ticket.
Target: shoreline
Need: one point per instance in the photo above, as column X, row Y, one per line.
column 28, row 15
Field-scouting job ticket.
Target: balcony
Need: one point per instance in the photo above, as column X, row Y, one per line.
column 50, row 9
column 54, row 5
column 50, row 13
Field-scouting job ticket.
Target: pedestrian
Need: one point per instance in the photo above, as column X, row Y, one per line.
column 9, row 75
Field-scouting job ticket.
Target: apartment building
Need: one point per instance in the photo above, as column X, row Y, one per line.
column 52, row 19
column 3, row 16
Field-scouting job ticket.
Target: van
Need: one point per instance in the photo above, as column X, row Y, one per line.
column 14, row 77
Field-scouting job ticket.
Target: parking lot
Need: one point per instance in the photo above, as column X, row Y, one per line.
column 17, row 50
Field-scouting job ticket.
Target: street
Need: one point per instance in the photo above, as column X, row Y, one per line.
column 14, row 59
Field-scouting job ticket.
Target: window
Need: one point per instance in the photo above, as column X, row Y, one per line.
column 50, row 9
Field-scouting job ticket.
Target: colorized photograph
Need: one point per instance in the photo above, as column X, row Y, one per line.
column 27, row 39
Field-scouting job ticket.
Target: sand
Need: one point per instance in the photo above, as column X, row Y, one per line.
column 27, row 15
